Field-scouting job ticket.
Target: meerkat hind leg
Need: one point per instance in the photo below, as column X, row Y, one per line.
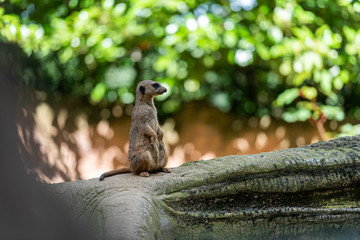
column 144, row 174
column 166, row 170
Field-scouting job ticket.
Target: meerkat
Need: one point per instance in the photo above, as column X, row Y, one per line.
column 147, row 152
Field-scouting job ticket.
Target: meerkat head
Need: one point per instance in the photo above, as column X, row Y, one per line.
column 150, row 88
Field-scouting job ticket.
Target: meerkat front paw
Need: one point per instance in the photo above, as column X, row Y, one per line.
column 152, row 139
column 160, row 134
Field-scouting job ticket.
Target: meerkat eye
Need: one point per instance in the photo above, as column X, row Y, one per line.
column 156, row 85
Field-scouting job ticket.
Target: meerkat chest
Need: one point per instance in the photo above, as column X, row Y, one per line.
column 153, row 122
column 146, row 116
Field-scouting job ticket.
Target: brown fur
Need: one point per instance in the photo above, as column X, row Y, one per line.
column 147, row 151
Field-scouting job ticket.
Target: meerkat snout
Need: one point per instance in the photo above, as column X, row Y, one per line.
column 158, row 88
column 163, row 91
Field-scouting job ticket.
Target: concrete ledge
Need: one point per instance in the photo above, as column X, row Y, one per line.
column 295, row 192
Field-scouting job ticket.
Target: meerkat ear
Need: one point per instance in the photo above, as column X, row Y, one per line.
column 142, row 89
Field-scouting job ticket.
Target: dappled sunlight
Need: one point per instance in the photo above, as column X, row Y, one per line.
column 72, row 147
column 69, row 147
column 177, row 158
column 78, row 148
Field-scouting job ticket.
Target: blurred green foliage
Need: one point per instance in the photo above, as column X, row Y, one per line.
column 296, row 60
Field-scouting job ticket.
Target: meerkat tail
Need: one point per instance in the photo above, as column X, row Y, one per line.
column 114, row 172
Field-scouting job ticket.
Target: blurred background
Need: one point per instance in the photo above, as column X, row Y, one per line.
column 243, row 77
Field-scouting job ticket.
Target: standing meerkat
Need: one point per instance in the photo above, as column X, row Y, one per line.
column 147, row 151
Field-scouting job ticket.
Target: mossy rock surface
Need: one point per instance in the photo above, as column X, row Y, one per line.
column 293, row 193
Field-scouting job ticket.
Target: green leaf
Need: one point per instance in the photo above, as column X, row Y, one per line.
column 230, row 39
column 303, row 114
column 349, row 130
column 338, row 83
column 119, row 77
column 293, row 115
column 344, row 76
column 287, row 97
column 300, row 78
column 311, row 60
column 326, row 82
column 350, row 33
column 344, row 2
column 231, row 57
column 263, row 51
column 303, row 32
column 161, row 63
column 309, row 92
column 98, row 92
column 221, row 101
column 333, row 112
column 304, row 17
